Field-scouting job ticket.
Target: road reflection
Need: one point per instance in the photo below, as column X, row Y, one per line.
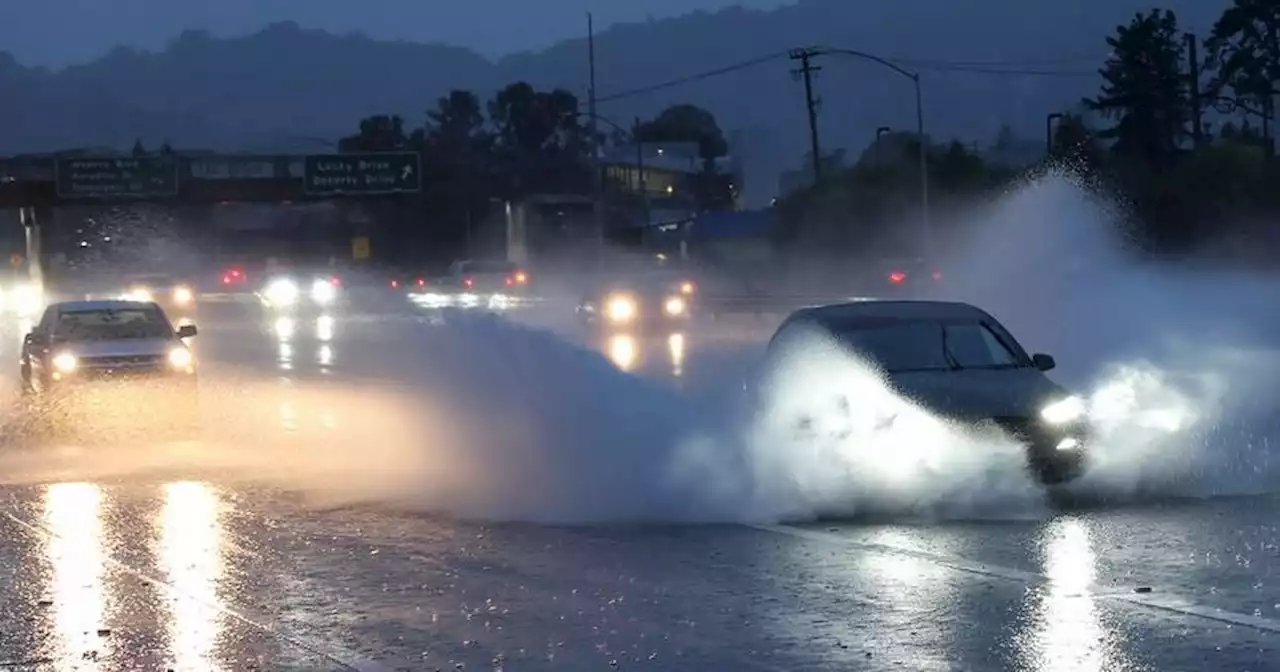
column 191, row 556
column 73, row 515
column 286, row 330
column 1067, row 634
column 634, row 352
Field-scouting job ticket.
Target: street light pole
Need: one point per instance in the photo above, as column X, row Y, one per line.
column 596, row 178
column 926, row 230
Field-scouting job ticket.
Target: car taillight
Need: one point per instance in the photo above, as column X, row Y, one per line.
column 226, row 279
column 897, row 277
column 937, row 275
column 335, row 281
column 421, row 282
column 468, row 282
column 395, row 284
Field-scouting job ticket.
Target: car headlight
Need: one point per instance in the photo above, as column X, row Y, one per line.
column 138, row 294
column 26, row 299
column 621, row 308
column 674, row 306
column 65, row 362
column 180, row 358
column 182, row 295
column 1064, row 411
column 282, row 292
column 323, row 292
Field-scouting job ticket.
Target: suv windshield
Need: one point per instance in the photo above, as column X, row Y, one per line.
column 927, row 346
column 110, row 324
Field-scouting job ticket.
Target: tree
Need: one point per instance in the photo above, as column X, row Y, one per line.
column 138, row 148
column 1145, row 88
column 538, row 138
column 456, row 126
column 379, row 133
column 1245, row 47
column 687, row 123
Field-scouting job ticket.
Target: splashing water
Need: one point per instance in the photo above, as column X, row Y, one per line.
column 509, row 423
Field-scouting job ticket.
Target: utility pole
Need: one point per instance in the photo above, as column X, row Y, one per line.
column 1193, row 67
column 597, row 209
column 805, row 72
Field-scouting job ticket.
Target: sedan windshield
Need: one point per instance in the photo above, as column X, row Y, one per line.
column 926, row 346
column 111, row 324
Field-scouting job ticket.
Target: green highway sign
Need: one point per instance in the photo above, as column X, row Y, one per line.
column 362, row 174
column 116, row 177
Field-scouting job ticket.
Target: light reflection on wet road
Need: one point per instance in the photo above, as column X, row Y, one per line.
column 194, row 574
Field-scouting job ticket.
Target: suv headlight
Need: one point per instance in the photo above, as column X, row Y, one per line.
column 182, row 295
column 675, row 306
column 1064, row 411
column 65, row 362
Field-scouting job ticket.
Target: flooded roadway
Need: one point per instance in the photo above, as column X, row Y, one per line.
column 193, row 572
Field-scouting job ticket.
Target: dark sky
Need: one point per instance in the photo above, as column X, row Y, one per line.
column 56, row 33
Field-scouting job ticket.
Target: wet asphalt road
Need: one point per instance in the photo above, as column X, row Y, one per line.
column 197, row 573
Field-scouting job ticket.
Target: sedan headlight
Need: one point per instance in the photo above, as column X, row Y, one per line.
column 675, row 306
column 182, row 295
column 282, row 292
column 621, row 308
column 180, row 358
column 1064, row 411
column 65, row 362
column 323, row 292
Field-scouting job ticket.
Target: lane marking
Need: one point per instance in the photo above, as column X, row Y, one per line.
column 346, row 658
column 1165, row 602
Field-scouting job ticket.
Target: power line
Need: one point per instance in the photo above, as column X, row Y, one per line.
column 631, row 93
column 1009, row 68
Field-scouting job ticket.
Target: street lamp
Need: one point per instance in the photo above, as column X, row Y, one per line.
column 925, row 228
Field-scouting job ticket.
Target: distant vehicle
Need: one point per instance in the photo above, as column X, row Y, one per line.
column 122, row 358
column 301, row 291
column 907, row 278
column 173, row 294
column 655, row 301
column 486, row 277
column 958, row 362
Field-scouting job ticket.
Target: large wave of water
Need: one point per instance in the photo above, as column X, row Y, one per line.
column 502, row 422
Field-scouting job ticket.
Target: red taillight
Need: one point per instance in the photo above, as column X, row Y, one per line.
column 421, row 282
column 468, row 282
column 395, row 284
column 335, row 281
column 226, row 279
column 937, row 275
column 897, row 277
column 235, row 272
column 510, row 281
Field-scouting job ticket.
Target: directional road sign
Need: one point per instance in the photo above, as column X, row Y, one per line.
column 362, row 174
column 117, row 177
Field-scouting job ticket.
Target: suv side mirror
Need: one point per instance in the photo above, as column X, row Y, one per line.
column 187, row 331
column 1043, row 362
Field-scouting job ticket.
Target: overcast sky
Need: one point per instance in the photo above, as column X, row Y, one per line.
column 56, row 33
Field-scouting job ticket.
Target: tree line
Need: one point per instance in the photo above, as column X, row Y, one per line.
column 478, row 155
column 1180, row 133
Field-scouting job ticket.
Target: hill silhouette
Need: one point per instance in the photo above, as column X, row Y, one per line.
column 287, row 88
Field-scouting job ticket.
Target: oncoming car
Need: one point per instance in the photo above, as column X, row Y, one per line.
column 638, row 304
column 301, row 292
column 959, row 363
column 121, row 358
column 170, row 293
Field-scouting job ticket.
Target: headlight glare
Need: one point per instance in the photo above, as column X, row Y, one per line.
column 323, row 292
column 180, row 358
column 282, row 292
column 65, row 362
column 621, row 308
column 674, row 306
column 1064, row 411
column 182, row 295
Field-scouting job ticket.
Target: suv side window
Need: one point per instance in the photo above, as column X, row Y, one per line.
column 45, row 326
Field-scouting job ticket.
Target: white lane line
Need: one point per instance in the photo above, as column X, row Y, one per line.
column 348, row 659
column 1156, row 601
